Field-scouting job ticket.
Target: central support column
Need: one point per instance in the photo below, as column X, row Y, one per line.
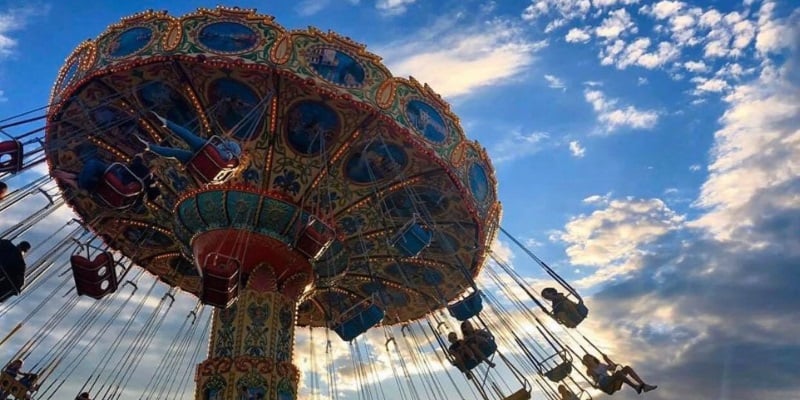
column 250, row 354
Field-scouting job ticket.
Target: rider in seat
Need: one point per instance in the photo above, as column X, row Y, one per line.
column 565, row 311
column 609, row 379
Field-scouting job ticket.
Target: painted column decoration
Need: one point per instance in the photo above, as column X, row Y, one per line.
column 250, row 354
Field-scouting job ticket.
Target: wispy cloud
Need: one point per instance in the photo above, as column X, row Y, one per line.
column 457, row 58
column 394, row 7
column 517, row 145
column 311, row 7
column 12, row 21
column 614, row 117
column 689, row 289
column 555, row 82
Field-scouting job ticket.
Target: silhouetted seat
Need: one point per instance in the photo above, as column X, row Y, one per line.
column 314, row 238
column 94, row 278
column 220, row 280
column 357, row 320
column 467, row 307
column 559, row 372
column 208, row 164
column 119, row 187
column 11, row 156
column 7, row 286
column 522, row 394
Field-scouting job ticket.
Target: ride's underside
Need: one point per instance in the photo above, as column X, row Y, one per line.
column 325, row 131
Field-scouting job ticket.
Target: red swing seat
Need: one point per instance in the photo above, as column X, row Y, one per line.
column 314, row 238
column 119, row 187
column 11, row 156
column 94, row 278
column 220, row 280
column 209, row 166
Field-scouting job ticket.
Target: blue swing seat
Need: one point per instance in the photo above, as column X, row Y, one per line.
column 467, row 307
column 412, row 239
column 359, row 323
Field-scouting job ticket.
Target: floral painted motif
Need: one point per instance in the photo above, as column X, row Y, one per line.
column 287, row 182
column 255, row 339
column 351, row 224
column 223, row 345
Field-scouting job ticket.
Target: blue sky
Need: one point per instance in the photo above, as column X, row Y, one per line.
column 648, row 150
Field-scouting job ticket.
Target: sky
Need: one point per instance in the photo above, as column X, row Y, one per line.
column 646, row 150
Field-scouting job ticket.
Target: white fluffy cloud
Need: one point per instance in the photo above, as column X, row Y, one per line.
column 638, row 53
column 456, row 60
column 577, row 35
column 614, row 117
column 705, row 85
column 666, row 8
column 755, row 150
column 611, row 236
column 566, row 9
column 772, row 35
column 617, row 22
column 695, row 66
column 393, row 7
column 576, row 149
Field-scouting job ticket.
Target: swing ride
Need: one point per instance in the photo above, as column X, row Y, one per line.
column 288, row 181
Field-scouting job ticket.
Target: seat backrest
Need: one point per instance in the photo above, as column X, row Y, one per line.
column 94, row 278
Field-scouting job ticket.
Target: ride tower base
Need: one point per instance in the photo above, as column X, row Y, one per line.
column 250, row 354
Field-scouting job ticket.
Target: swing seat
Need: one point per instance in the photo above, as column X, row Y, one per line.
column 522, row 394
column 11, row 156
column 119, row 188
column 363, row 319
column 94, row 278
column 208, row 165
column 12, row 387
column 314, row 238
column 467, row 307
column 559, row 372
column 220, row 280
column 412, row 238
column 7, row 287
column 567, row 317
